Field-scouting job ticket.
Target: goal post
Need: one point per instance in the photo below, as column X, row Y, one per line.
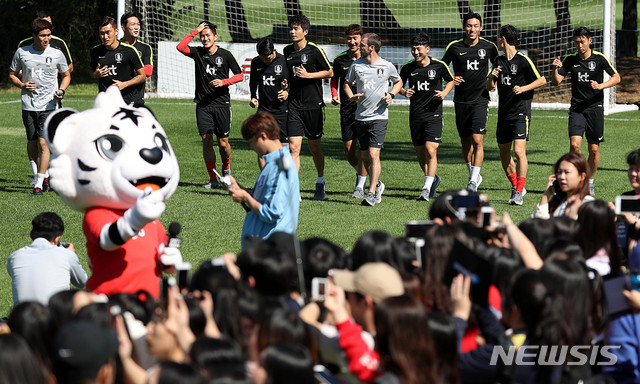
column 546, row 28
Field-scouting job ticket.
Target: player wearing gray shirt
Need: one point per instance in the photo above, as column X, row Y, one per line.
column 45, row 266
column 371, row 75
column 39, row 64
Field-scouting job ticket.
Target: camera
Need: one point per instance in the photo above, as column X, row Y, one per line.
column 417, row 228
column 627, row 204
column 318, row 288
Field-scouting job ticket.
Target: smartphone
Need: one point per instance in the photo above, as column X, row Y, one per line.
column 318, row 288
column 183, row 271
column 63, row 244
column 465, row 201
column 555, row 186
column 627, row 204
column 417, row 228
column 487, row 216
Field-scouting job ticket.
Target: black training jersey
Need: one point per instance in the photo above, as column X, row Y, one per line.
column 306, row 94
column 145, row 51
column 123, row 62
column 341, row 65
column 425, row 81
column 518, row 71
column 472, row 63
column 208, row 68
column 266, row 81
column 55, row 42
column 582, row 72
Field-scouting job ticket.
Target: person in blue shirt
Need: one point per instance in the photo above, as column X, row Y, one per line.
column 274, row 204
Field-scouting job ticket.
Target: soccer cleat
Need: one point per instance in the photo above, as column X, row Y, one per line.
column 436, row 182
column 424, row 195
column 45, row 185
column 212, row 184
column 513, row 194
column 379, row 189
column 226, row 172
column 369, row 201
column 37, row 191
column 320, row 191
column 358, row 193
column 516, row 199
column 472, row 186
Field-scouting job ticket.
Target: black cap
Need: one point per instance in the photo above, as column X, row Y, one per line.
column 80, row 348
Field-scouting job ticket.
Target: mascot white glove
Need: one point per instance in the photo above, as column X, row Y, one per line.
column 148, row 207
column 169, row 255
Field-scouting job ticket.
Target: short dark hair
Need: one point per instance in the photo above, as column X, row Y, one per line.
column 582, row 31
column 108, row 20
column 469, row 16
column 633, row 158
column 421, row 39
column 40, row 14
column 260, row 122
column 125, row 18
column 265, row 46
column 510, row 33
column 353, row 29
column 211, row 26
column 47, row 225
column 301, row 20
column 373, row 39
column 38, row 25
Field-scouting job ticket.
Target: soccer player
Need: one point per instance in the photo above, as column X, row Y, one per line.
column 34, row 69
column 371, row 75
column 586, row 114
column 341, row 64
column 308, row 65
column 423, row 78
column 516, row 78
column 55, row 41
column 471, row 57
column 131, row 24
column 269, row 84
column 213, row 108
column 117, row 63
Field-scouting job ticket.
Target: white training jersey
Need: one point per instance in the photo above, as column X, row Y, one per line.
column 372, row 80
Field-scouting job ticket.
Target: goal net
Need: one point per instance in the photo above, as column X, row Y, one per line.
column 546, row 28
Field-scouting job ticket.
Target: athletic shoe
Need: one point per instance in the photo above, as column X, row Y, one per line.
column 358, row 193
column 45, row 185
column 320, row 189
column 226, row 172
column 212, row 184
column 424, row 195
column 369, row 201
column 37, row 191
column 472, row 186
column 379, row 190
column 436, row 182
column 592, row 190
column 513, row 194
column 524, row 191
column 517, row 199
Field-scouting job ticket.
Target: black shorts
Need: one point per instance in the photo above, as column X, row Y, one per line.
column 214, row 120
column 471, row 119
column 34, row 123
column 308, row 123
column 281, row 118
column 371, row 133
column 348, row 126
column 426, row 128
column 511, row 130
column 589, row 122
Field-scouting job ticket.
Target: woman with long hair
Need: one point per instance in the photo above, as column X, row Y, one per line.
column 567, row 188
column 598, row 238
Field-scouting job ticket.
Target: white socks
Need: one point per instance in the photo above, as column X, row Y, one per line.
column 40, row 180
column 475, row 171
column 361, row 181
column 428, row 182
column 320, row 180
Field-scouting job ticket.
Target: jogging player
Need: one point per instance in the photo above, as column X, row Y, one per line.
column 341, row 64
column 471, row 57
column 113, row 62
column 34, row 69
column 371, row 75
column 213, row 108
column 516, row 77
column 423, row 78
column 586, row 114
column 308, row 65
column 131, row 25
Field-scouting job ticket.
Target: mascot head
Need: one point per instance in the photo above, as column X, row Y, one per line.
column 107, row 155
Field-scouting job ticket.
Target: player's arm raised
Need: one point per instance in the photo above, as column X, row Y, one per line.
column 556, row 78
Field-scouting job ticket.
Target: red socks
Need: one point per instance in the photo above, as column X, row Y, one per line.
column 211, row 165
column 520, row 185
column 513, row 179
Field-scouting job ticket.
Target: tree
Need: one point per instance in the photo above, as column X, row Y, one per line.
column 628, row 35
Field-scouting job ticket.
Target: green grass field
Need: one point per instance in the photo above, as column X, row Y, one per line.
column 212, row 222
